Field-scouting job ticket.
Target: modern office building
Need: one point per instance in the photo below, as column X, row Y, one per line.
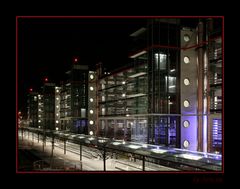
column 32, row 108
column 171, row 93
column 74, row 99
column 44, row 107
column 49, row 110
column 141, row 101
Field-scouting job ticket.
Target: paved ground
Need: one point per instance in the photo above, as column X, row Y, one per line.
column 32, row 157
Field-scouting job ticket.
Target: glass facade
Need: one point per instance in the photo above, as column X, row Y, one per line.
column 49, row 106
column 122, row 98
column 33, row 109
column 215, row 81
column 163, row 82
column 74, row 100
column 137, row 103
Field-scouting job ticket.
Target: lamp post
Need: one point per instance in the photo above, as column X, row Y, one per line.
column 101, row 144
column 80, row 150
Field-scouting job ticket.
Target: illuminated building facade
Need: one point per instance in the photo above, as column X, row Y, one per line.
column 49, row 106
column 32, row 108
column 57, row 108
column 171, row 93
column 92, row 101
column 74, row 100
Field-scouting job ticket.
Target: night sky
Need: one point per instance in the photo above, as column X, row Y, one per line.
column 46, row 47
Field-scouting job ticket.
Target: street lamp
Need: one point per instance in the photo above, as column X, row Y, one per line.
column 101, row 145
column 81, row 138
column 104, row 143
column 91, row 133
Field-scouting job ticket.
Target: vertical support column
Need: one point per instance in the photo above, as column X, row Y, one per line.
column 104, row 158
column 143, row 163
column 209, row 30
column 52, row 145
column 32, row 138
column 80, row 155
column 43, row 141
column 22, row 134
column 200, row 70
column 189, row 89
column 64, row 146
column 38, row 136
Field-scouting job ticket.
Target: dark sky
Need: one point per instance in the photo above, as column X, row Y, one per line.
column 46, row 47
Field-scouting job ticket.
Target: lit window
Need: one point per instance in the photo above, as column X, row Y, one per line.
column 39, row 110
column 57, row 106
column 123, row 82
column 56, row 121
column 57, row 114
column 123, row 95
column 39, row 115
column 186, row 38
column 57, row 91
column 186, row 143
column 91, row 122
column 39, row 121
column 186, row 60
column 91, row 111
column 186, row 103
column 186, row 123
column 91, row 99
column 91, row 76
column 186, row 81
column 103, row 111
column 91, row 88
column 57, row 98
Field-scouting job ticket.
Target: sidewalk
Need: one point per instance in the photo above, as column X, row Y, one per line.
column 71, row 161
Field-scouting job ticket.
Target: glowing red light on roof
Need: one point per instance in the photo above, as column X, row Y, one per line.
column 75, row 59
column 30, row 89
column 46, row 79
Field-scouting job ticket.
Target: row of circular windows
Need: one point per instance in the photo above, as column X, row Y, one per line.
column 186, row 103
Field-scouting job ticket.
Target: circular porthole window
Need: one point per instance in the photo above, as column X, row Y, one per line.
column 186, row 103
column 186, row 81
column 186, row 60
column 186, row 38
column 91, row 76
column 91, row 122
column 186, row 123
column 186, row 143
column 91, row 99
column 91, row 111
